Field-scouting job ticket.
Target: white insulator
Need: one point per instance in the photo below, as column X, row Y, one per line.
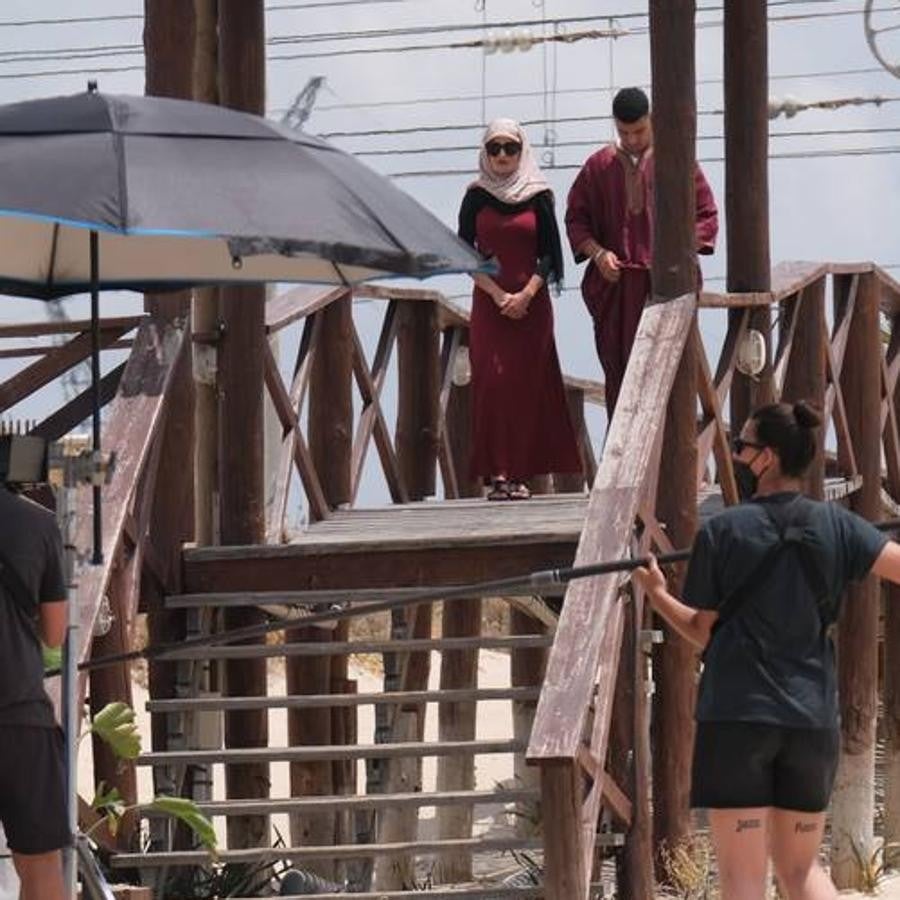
column 752, row 353
column 490, row 43
column 525, row 39
column 508, row 40
column 462, row 367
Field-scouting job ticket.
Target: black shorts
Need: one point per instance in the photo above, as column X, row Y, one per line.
column 33, row 788
column 746, row 764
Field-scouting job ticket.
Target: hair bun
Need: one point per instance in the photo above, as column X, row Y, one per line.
column 807, row 416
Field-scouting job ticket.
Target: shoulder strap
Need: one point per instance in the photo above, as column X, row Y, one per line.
column 790, row 530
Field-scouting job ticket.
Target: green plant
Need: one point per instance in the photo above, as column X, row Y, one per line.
column 115, row 725
column 875, row 864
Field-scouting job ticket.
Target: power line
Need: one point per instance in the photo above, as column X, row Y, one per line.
column 600, row 88
column 804, row 154
column 463, row 148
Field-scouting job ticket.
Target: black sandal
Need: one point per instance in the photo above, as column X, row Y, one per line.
column 499, row 490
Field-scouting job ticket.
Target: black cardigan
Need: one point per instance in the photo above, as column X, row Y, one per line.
column 550, row 260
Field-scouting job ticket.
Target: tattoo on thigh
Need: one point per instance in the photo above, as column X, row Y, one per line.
column 747, row 824
column 805, row 827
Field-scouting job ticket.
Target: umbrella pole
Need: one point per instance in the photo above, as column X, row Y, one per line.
column 95, row 394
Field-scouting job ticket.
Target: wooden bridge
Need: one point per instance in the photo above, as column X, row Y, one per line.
column 579, row 685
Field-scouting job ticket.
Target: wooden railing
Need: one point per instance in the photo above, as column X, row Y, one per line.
column 306, row 307
column 851, row 372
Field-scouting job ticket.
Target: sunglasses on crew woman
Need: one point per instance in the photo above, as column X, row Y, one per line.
column 739, row 443
column 510, row 148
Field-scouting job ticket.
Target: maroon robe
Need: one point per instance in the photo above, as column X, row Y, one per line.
column 520, row 420
column 611, row 201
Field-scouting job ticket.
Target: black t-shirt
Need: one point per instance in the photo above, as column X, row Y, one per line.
column 30, row 542
column 772, row 661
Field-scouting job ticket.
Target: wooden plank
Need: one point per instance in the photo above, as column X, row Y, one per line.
column 130, row 429
column 303, row 701
column 299, row 302
column 564, row 842
column 41, row 349
column 58, row 360
column 592, row 609
column 736, row 300
column 122, row 324
column 301, row 854
column 67, row 417
column 453, row 340
column 335, row 648
column 302, row 458
column 310, row 339
column 792, row 277
column 240, row 755
column 415, row 799
column 375, row 422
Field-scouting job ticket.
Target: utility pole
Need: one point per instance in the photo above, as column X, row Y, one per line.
column 240, row 380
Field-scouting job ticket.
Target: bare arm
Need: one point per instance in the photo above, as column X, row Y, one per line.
column 694, row 625
column 53, row 622
column 887, row 565
column 490, row 287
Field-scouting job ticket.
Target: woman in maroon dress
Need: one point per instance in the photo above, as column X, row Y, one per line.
column 521, row 424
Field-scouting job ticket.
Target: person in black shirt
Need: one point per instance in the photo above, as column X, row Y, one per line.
column 763, row 585
column 32, row 769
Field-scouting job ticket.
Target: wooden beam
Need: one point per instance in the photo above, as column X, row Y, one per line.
column 241, row 367
column 746, row 69
column 853, row 806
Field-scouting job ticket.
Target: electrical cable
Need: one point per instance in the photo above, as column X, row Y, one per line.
column 536, row 581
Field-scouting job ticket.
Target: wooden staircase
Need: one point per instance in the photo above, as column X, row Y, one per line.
column 385, row 846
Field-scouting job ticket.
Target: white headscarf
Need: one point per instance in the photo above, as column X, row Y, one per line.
column 527, row 179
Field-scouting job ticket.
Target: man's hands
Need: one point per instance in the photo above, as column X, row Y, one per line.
column 608, row 264
column 515, row 306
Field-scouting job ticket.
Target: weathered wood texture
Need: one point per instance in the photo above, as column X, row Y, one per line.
column 746, row 178
column 675, row 273
column 853, row 806
column 241, row 371
column 585, row 654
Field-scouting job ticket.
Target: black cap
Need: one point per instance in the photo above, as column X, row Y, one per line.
column 630, row 104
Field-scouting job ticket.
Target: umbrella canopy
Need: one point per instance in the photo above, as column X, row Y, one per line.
column 185, row 193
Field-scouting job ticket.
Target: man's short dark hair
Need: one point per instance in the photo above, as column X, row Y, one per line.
column 630, row 104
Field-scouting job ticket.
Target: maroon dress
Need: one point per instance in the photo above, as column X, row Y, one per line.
column 521, row 424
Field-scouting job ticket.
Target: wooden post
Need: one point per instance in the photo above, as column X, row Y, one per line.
column 891, row 718
column 418, row 409
column 628, row 759
column 674, row 273
column 330, row 445
column 205, row 310
column 240, row 380
column 805, row 379
column 746, row 69
column 573, row 482
column 169, row 46
column 853, row 806
column 456, row 722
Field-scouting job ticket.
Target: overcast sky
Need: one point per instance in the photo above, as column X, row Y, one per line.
column 823, row 207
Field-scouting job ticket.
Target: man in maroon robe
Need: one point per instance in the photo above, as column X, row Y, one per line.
column 609, row 221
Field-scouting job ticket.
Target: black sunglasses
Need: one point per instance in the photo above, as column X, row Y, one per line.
column 510, row 148
column 738, row 444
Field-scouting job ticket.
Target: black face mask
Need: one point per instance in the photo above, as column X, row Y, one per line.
column 747, row 480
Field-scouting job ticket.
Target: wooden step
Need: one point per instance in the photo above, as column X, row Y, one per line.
column 298, row 855
column 416, row 799
column 318, row 701
column 313, row 598
column 326, row 752
column 350, row 648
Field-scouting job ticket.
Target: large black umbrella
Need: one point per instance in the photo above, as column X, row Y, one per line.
column 104, row 192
